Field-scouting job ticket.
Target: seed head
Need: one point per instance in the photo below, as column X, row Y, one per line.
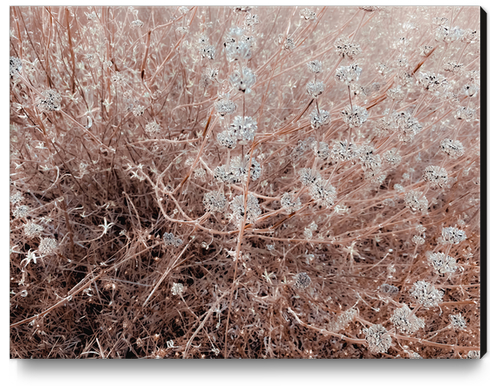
column 215, row 202
column 314, row 89
column 354, row 117
column 302, row 280
column 426, row 294
column 405, row 320
column 47, row 246
column 377, row 338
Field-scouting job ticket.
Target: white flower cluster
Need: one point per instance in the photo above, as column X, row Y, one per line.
column 50, row 101
column 238, row 46
column 242, row 80
column 238, row 208
column 348, row 74
column 355, row 116
column 47, row 246
column 289, row 204
column 451, row 235
column 442, row 263
column 452, row 148
column 416, row 201
column 377, row 338
column 215, row 202
column 436, row 176
column 426, row 294
column 345, row 48
column 405, row 320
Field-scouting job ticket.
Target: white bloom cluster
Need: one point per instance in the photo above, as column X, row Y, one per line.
column 355, row 116
column 452, row 148
column 242, row 80
column 50, row 101
column 451, row 235
column 442, row 263
column 436, row 176
column 215, row 202
column 405, row 320
column 426, row 294
column 238, row 208
column 377, row 338
column 416, row 201
column 345, row 48
column 289, row 204
column 47, row 246
column 348, row 74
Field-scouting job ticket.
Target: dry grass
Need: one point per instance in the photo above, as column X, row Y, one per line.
column 129, row 241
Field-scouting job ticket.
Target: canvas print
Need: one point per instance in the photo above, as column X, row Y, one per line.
column 245, row 182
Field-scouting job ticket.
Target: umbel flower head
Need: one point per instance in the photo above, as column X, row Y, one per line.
column 242, row 80
column 355, row 116
column 377, row 338
column 238, row 208
column 348, row 74
column 238, row 46
column 50, row 101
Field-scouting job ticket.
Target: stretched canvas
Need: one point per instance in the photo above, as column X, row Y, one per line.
column 246, row 182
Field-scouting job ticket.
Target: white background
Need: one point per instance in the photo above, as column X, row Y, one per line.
column 235, row 372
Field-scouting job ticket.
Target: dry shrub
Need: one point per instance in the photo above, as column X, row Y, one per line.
column 245, row 182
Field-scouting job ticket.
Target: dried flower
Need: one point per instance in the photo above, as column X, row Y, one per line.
column 426, row 294
column 177, row 289
column 315, row 66
column 377, row 338
column 31, row 229
column 466, row 113
column 323, row 192
column 51, row 101
column 47, row 246
column 342, row 152
column 243, row 128
column 16, row 198
column 452, row 148
column 319, row 118
column 355, row 116
column 302, row 280
column 314, row 89
column 289, row 204
column 15, row 66
column 308, row 14
column 457, row 321
column 152, row 128
column 243, row 80
column 452, row 235
column 348, row 74
column 345, row 48
column 238, row 209
column 322, row 150
column 433, row 82
column 308, row 176
column 239, row 168
column 238, row 46
column 21, row 211
column 405, row 320
column 170, row 239
column 416, row 201
column 215, row 202
column 224, row 105
column 436, row 176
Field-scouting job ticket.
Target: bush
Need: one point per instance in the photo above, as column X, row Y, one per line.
column 249, row 182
